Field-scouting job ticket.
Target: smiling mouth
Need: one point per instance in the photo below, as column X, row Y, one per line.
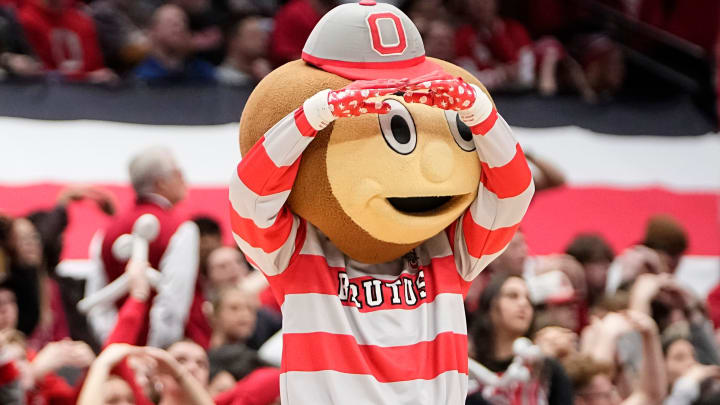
column 415, row 205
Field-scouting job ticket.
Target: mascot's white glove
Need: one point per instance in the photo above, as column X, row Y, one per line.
column 435, row 90
column 350, row 101
column 471, row 103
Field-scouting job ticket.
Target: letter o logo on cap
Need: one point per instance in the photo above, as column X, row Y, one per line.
column 386, row 44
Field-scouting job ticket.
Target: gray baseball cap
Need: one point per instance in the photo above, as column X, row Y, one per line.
column 368, row 40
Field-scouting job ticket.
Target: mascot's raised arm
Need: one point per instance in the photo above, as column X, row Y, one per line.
column 375, row 184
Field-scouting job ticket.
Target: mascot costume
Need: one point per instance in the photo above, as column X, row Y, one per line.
column 375, row 184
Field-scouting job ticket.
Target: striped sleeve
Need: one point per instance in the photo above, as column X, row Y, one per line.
column 483, row 232
column 262, row 224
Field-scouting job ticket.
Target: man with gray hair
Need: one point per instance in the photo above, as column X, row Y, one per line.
column 159, row 185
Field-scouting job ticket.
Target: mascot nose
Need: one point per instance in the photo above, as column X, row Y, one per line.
column 437, row 162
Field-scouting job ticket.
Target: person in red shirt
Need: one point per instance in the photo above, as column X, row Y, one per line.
column 500, row 52
column 37, row 372
column 159, row 185
column 64, row 39
column 696, row 21
column 293, row 24
column 182, row 370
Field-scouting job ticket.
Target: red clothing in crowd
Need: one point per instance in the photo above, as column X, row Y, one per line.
column 128, row 329
column 8, row 373
column 64, row 40
column 57, row 329
column 293, row 24
column 551, row 16
column 174, row 252
column 10, row 3
column 122, row 225
column 51, row 390
column 696, row 21
column 501, row 44
column 198, row 328
column 260, row 387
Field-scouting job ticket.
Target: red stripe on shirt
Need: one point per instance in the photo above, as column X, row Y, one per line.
column 326, row 351
column 260, row 174
column 268, row 239
column 482, row 241
column 508, row 180
column 485, row 126
column 302, row 124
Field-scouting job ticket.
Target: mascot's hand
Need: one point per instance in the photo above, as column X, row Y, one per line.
column 350, row 101
column 471, row 103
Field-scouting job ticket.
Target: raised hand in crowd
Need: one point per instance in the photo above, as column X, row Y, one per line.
column 103, row 198
column 557, row 342
column 177, row 380
column 638, row 260
column 602, row 342
column 139, row 285
column 98, row 377
column 686, row 390
column 646, row 288
column 21, row 65
column 56, row 355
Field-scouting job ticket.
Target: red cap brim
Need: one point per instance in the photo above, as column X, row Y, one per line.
column 410, row 69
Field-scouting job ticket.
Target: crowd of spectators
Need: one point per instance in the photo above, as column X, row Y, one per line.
column 547, row 46
column 193, row 338
column 584, row 326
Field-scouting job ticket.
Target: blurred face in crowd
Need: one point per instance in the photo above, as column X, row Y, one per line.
column 170, row 31
column 56, row 5
column 208, row 243
column 237, row 314
column 8, row 310
column 512, row 261
column 251, row 39
column 600, row 391
column 117, row 392
column 596, row 275
column 679, row 359
column 172, row 186
column 193, row 6
column 25, row 241
column 671, row 261
column 193, row 358
column 607, row 73
column 482, row 12
column 226, row 266
column 512, row 312
column 560, row 314
column 439, row 40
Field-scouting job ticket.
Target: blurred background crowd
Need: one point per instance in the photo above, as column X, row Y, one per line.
column 547, row 46
column 604, row 326
column 586, row 325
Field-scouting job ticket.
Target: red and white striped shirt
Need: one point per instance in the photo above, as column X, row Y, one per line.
column 355, row 333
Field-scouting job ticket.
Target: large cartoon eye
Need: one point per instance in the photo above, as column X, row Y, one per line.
column 398, row 128
column 461, row 132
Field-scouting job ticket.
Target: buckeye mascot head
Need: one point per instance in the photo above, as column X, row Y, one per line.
column 377, row 185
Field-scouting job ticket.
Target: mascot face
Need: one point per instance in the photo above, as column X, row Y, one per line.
column 376, row 185
column 402, row 177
